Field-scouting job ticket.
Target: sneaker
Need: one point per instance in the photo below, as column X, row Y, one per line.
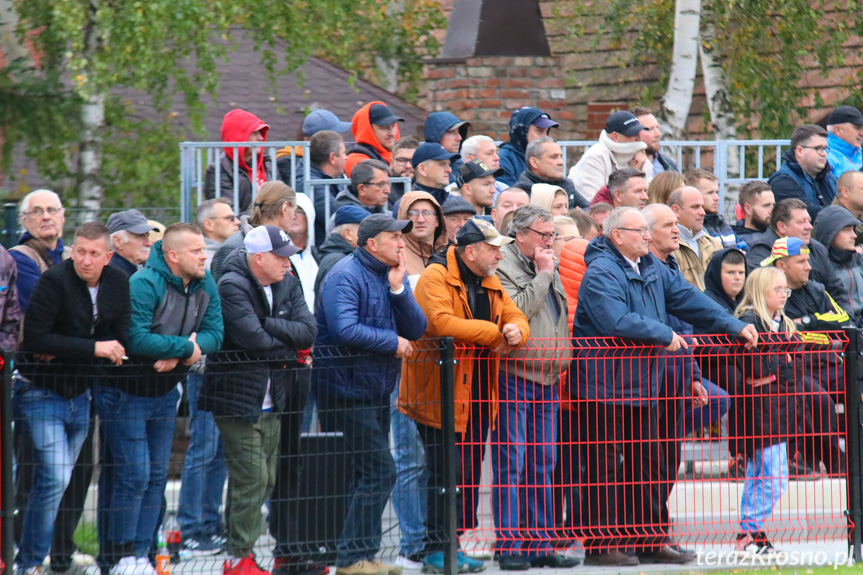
column 201, row 547
column 219, row 540
column 737, row 469
column 433, row 563
column 391, row 569
column 799, row 470
column 469, row 564
column 242, row 566
column 408, row 564
column 755, row 544
column 363, row 568
column 127, row 566
column 290, row 566
column 144, row 566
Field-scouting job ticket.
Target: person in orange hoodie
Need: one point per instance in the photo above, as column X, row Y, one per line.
column 240, row 126
column 376, row 131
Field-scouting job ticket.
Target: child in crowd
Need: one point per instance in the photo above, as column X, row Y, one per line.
column 770, row 385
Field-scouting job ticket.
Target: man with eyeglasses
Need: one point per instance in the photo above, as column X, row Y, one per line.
column 130, row 238
column 627, row 293
column 845, row 134
column 524, row 441
column 369, row 189
column 217, row 220
column 805, row 173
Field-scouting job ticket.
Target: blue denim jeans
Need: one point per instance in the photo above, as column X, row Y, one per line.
column 766, row 481
column 204, row 471
column 409, row 493
column 523, row 452
column 697, row 418
column 366, row 429
column 57, row 428
column 139, row 431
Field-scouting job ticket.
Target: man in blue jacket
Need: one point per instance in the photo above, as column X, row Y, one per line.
column 447, row 130
column 364, row 333
column 845, row 134
column 627, row 293
column 805, row 173
column 525, row 125
column 176, row 317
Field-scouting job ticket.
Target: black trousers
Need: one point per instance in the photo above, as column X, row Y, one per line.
column 624, row 504
column 469, row 450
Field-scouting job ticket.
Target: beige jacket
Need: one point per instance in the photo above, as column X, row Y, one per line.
column 693, row 265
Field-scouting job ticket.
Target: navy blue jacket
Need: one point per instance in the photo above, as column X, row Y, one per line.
column 359, row 319
column 790, row 181
column 512, row 153
column 439, row 123
column 680, row 366
column 616, row 301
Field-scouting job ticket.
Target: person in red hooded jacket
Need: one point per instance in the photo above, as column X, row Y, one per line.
column 376, row 131
column 240, row 126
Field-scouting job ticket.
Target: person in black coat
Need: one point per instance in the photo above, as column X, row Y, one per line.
column 76, row 327
column 267, row 324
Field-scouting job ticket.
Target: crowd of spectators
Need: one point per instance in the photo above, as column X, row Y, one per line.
column 499, row 249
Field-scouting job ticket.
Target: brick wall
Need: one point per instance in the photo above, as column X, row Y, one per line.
column 485, row 91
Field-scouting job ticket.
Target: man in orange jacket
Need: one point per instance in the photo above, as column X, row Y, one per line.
column 376, row 131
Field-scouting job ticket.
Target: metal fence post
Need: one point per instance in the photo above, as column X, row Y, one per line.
column 447, row 398
column 10, row 224
column 7, row 490
column 853, row 445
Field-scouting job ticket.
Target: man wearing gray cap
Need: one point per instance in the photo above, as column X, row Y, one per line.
column 364, row 333
column 457, row 211
column 130, row 237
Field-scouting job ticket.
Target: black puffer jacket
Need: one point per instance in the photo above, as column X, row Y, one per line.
column 527, row 179
column 59, row 322
column 260, row 344
column 819, row 259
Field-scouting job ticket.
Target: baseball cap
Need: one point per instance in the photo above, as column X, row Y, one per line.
column 132, row 221
column 476, row 168
column 457, row 205
column 428, row 151
column 785, row 248
column 320, row 120
column 350, row 215
column 477, row 230
column 623, row 122
column 377, row 223
column 381, row 115
column 845, row 115
column 264, row 239
column 544, row 121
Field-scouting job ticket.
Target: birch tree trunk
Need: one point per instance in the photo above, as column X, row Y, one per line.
column 90, row 192
column 681, row 82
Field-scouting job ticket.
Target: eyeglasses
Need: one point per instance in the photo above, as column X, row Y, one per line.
column 818, row 149
column 39, row 212
column 782, row 291
column 230, row 218
column 384, row 184
column 639, row 231
column 402, row 161
column 566, row 239
column 425, row 213
column 545, row 237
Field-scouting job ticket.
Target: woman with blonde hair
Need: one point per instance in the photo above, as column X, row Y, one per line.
column 662, row 185
column 551, row 198
column 764, row 403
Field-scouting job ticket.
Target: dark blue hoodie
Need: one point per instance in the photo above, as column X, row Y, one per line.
column 512, row 153
column 439, row 123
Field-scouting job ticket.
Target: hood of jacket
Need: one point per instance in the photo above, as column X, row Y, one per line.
column 831, row 220
column 156, row 262
column 363, row 133
column 519, row 122
column 237, row 126
column 304, row 202
column 299, row 152
column 713, row 280
column 542, row 195
column 335, row 244
column 439, row 123
column 623, row 151
column 420, row 252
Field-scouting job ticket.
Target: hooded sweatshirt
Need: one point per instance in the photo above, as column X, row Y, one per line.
column 439, row 123
column 542, row 195
column 592, row 170
column 367, row 146
column 417, row 253
column 512, row 153
column 304, row 264
column 713, row 281
column 847, row 265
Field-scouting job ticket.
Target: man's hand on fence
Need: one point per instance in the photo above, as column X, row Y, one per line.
column 677, row 342
column 750, row 334
column 164, row 365
column 111, row 350
column 699, row 394
column 196, row 354
column 396, row 274
column 405, row 349
column 511, row 333
column 502, row 348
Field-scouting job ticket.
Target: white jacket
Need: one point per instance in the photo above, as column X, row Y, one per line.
column 592, row 170
column 304, row 262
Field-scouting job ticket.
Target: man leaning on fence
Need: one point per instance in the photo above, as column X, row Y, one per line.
column 627, row 293
column 76, row 326
column 463, row 299
column 524, row 441
column 364, row 333
column 266, row 323
column 176, row 317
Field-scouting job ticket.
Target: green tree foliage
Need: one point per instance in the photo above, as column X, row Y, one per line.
column 147, row 46
column 771, row 50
